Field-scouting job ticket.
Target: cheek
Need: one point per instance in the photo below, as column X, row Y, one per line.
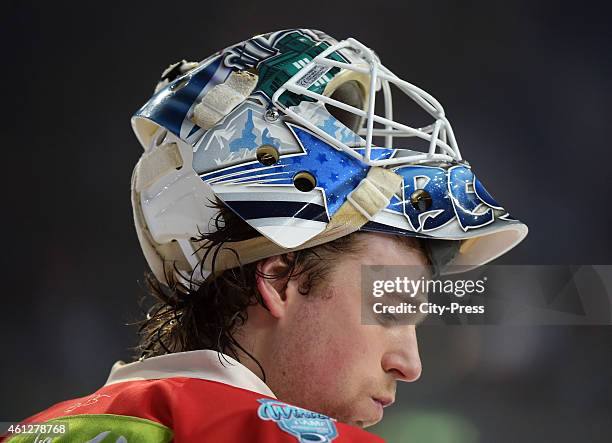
column 342, row 353
column 344, row 374
column 329, row 360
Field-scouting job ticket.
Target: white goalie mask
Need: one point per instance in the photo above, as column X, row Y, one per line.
column 283, row 129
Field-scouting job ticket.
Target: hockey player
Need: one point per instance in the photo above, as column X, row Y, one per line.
column 258, row 199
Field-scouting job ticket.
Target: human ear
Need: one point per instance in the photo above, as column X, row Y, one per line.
column 272, row 277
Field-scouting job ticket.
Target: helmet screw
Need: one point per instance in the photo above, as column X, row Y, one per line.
column 267, row 155
column 304, row 181
column 271, row 115
column 421, row 200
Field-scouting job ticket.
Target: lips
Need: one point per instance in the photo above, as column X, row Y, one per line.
column 378, row 403
column 384, row 401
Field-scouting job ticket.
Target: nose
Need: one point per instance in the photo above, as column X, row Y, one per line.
column 402, row 359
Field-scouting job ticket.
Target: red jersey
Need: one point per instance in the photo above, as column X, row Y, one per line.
column 197, row 396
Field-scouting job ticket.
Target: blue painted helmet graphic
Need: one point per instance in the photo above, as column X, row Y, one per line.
column 283, row 129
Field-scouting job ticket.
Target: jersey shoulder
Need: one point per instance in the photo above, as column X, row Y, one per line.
column 183, row 409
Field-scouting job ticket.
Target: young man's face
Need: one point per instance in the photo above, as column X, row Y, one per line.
column 318, row 355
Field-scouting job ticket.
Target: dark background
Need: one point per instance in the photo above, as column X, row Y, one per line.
column 526, row 85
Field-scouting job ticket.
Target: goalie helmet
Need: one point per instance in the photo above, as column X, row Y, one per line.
column 283, row 129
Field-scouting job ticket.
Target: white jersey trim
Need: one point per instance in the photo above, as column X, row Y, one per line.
column 203, row 364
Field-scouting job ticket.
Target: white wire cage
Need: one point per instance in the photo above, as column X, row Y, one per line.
column 439, row 134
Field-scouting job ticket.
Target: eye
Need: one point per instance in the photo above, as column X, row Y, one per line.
column 386, row 319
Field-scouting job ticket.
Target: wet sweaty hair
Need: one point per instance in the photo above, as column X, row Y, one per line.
column 205, row 315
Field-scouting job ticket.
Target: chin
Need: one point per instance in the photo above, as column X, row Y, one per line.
column 369, row 423
column 368, row 415
column 363, row 423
